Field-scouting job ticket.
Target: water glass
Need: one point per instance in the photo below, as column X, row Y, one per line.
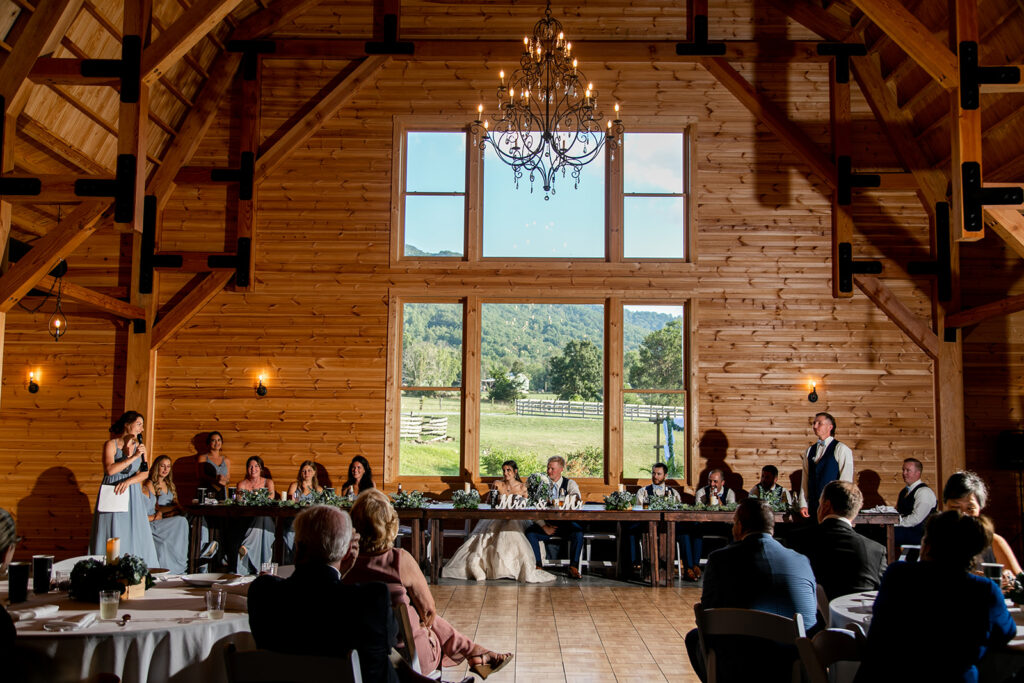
column 42, row 569
column 17, row 581
column 215, row 603
column 231, row 492
column 993, row 570
column 269, row 568
column 108, row 604
column 201, row 495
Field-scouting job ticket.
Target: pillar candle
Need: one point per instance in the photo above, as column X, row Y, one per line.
column 113, row 549
column 467, row 487
column 622, row 488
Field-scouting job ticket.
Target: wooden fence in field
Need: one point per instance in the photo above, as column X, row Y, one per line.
column 423, row 427
column 592, row 410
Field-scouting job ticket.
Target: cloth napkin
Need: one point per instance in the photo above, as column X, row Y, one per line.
column 33, row 612
column 882, row 508
column 75, row 623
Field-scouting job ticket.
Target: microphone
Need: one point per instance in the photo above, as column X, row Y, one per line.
column 143, row 466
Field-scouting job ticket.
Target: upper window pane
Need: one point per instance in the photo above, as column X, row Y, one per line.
column 434, row 225
column 653, row 345
column 653, row 163
column 435, row 162
column 519, row 223
column 543, row 385
column 654, row 227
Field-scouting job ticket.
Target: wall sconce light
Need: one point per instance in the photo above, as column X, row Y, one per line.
column 33, row 386
column 813, row 396
column 261, row 388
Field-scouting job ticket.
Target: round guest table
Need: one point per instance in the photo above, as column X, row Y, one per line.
column 168, row 637
column 852, row 609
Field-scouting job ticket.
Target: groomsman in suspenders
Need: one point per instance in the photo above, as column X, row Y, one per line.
column 915, row 503
column 535, row 533
column 825, row 461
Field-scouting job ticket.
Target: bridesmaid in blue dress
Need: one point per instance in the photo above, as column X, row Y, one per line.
column 170, row 528
column 302, row 489
column 123, row 456
column 258, row 544
column 214, row 466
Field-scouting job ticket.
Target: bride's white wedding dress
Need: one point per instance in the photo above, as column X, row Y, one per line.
column 496, row 549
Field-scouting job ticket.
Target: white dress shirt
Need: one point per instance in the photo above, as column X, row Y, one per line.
column 924, row 503
column 659, row 490
column 730, row 497
column 844, row 458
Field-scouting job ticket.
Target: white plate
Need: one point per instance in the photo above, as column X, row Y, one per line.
column 207, row 580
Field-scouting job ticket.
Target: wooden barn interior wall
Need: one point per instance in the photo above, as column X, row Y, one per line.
column 316, row 324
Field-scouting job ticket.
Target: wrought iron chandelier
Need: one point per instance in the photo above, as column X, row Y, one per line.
column 547, row 120
column 58, row 323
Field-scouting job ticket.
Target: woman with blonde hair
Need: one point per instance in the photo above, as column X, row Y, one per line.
column 170, row 528
column 437, row 642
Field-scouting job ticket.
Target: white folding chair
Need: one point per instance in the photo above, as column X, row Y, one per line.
column 744, row 622
column 267, row 666
column 829, row 647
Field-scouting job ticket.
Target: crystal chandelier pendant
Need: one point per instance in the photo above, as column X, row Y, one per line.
column 547, row 120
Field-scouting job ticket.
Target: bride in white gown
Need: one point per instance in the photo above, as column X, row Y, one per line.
column 497, row 548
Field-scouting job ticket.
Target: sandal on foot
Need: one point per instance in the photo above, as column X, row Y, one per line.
column 492, row 663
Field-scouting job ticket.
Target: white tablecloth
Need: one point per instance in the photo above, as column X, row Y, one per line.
column 852, row 609
column 167, row 639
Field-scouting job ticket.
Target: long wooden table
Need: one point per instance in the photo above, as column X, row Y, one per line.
column 413, row 518
column 436, row 514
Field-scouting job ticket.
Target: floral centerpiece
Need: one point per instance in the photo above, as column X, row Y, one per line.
column 538, row 486
column 1016, row 590
column 466, row 500
column 619, row 500
column 257, row 498
column 664, row 503
column 128, row 574
column 405, row 500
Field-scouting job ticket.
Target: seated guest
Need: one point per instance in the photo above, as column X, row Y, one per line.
column 535, row 533
column 258, row 545
column 916, row 501
column 360, row 477
column 305, row 484
column 767, row 490
column 966, row 492
column 325, row 550
column 690, row 535
column 8, row 541
column 937, row 608
column 843, row 561
column 170, row 528
column 756, row 572
column 656, row 489
column 214, row 466
column 376, row 523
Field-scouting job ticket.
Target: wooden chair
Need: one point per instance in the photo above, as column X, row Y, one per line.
column 823, row 611
column 744, row 622
column 830, row 646
column 267, row 666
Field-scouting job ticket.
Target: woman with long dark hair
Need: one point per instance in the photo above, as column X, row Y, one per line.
column 258, row 544
column 360, row 477
column 123, row 457
column 497, row 548
column 214, row 466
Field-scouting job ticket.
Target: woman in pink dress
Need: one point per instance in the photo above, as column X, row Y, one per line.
column 437, row 642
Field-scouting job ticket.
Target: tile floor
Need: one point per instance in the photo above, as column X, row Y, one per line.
column 594, row 630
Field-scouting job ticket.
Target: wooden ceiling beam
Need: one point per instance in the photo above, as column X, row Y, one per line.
column 918, row 330
column 181, row 36
column 914, row 38
column 266, row 21
column 965, row 127
column 245, row 215
column 56, row 188
column 768, row 113
column 48, row 250
column 195, row 125
column 317, row 111
column 840, row 131
column 1008, row 223
column 624, row 51
column 84, row 295
column 204, row 291
column 973, row 316
column 66, row 71
column 49, row 21
column 810, row 14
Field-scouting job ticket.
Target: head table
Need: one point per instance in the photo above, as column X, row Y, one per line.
column 168, row 637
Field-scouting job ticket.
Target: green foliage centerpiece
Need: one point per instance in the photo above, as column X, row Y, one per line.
column 664, row 503
column 1016, row 591
column 466, row 500
column 409, row 500
column 89, row 577
column 257, row 498
column 619, row 500
column 538, row 486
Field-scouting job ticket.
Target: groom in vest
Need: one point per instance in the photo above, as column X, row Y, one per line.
column 825, row 461
column 560, row 486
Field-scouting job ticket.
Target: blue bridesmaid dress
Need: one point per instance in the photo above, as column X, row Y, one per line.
column 131, row 527
column 170, row 535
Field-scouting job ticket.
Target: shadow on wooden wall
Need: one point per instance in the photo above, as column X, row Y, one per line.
column 868, row 482
column 714, row 448
column 55, row 518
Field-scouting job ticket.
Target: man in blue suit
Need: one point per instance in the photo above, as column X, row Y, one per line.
column 756, row 572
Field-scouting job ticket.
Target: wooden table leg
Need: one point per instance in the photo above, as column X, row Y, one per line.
column 670, row 551
column 652, row 532
column 890, row 542
column 435, row 549
column 193, row 544
column 417, row 540
column 618, row 550
column 278, row 541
